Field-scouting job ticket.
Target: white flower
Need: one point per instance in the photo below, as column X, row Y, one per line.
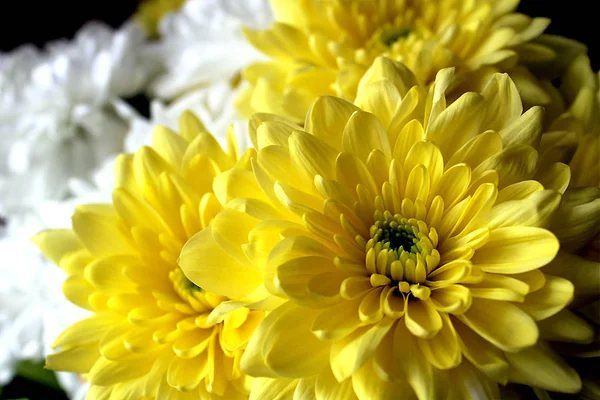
column 214, row 105
column 203, row 43
column 64, row 115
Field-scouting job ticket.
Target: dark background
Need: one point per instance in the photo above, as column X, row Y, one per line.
column 39, row 21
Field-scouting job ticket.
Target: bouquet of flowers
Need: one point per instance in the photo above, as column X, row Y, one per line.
column 325, row 199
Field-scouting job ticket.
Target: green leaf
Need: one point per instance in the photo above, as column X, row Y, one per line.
column 35, row 371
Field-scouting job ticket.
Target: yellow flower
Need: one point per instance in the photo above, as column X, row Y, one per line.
column 406, row 235
column 574, row 139
column 153, row 333
column 324, row 47
column 150, row 13
column 574, row 133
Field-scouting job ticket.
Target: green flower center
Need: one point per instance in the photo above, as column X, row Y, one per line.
column 395, row 235
column 390, row 36
column 401, row 252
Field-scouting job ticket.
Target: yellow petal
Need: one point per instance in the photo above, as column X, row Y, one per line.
column 100, row 230
column 503, row 102
column 352, row 352
column 328, row 388
column 312, row 156
column 541, row 367
column 499, row 287
column 454, row 299
column 364, row 133
column 577, row 220
column 556, row 177
column 584, row 274
column 369, row 386
column 427, row 154
column 380, row 98
column 482, row 354
column 275, row 389
column 517, row 249
column 293, row 278
column 456, row 124
column 453, row 184
column 190, row 125
column 235, row 183
column 422, row 319
column 56, row 243
column 105, row 372
column 230, row 229
column 290, row 348
column 553, row 297
column 426, row 381
column 169, row 145
column 565, row 326
column 384, row 68
column 525, row 129
column 350, row 172
column 502, row 324
column 207, row 265
column 536, row 210
column 78, row 359
column 443, row 350
column 327, row 118
column 513, row 164
column 185, row 374
column 335, row 322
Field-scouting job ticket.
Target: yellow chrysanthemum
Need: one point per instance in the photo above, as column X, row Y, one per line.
column 324, row 47
column 574, row 136
column 574, row 139
column 150, row 13
column 406, row 234
column 154, row 334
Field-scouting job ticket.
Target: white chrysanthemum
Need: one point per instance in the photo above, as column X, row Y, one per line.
column 214, row 106
column 63, row 114
column 33, row 309
column 203, row 43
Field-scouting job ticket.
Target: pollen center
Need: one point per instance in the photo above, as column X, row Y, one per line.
column 401, row 251
column 396, row 234
column 390, row 36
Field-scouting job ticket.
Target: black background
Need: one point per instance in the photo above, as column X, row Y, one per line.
column 39, row 21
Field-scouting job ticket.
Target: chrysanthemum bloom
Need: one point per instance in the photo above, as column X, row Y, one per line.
column 62, row 113
column 406, row 235
column 151, row 12
column 202, row 43
column 574, row 139
column 154, row 334
column 324, row 47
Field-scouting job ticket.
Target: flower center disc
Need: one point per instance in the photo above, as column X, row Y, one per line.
column 401, row 251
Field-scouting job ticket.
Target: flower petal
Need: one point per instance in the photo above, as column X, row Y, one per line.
column 442, row 351
column 565, row 326
column 290, row 349
column 501, row 323
column 209, row 266
column 584, row 274
column 352, row 352
column 540, row 367
column 56, row 243
column 328, row 388
column 516, row 249
column 426, row 381
column 369, row 386
column 422, row 319
column 553, row 297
